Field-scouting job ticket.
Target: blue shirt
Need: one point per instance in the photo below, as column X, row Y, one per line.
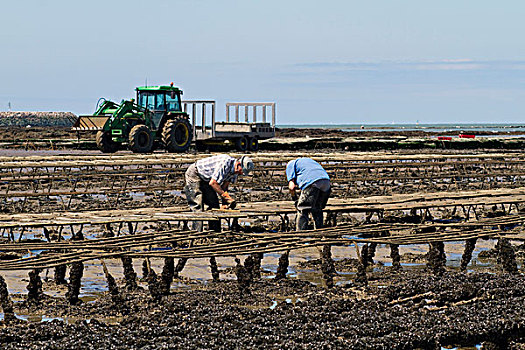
column 305, row 171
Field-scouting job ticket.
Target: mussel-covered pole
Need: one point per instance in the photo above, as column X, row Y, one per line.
column 5, row 302
column 60, row 270
column 112, row 286
column 76, row 271
column 244, row 278
column 75, row 279
column 470, row 244
column 437, row 258
column 34, row 288
column 361, row 277
column 396, row 258
column 371, row 253
column 180, row 266
column 248, row 265
column 282, row 269
column 153, row 284
column 327, row 266
column 60, row 274
column 145, row 269
column 506, row 256
column 214, row 269
column 130, row 276
column 364, row 255
column 326, row 254
column 168, row 271
column 256, row 269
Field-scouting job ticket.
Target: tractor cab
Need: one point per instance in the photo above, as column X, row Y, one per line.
column 160, row 100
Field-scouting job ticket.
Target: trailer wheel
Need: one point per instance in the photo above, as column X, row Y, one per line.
column 140, row 139
column 105, row 143
column 201, row 146
column 241, row 144
column 177, row 135
column 253, row 144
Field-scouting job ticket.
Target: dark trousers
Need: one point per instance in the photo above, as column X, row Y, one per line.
column 311, row 200
column 201, row 196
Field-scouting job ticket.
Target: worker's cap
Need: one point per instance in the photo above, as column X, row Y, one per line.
column 247, row 164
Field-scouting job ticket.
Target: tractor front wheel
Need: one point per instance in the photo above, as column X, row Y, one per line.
column 177, row 135
column 105, row 143
column 140, row 139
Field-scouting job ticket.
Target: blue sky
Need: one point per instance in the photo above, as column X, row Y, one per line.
column 322, row 62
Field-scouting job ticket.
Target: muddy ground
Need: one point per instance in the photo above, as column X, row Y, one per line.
column 61, row 138
column 13, row 133
column 405, row 310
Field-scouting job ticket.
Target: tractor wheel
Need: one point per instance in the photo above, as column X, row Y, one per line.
column 241, row 144
column 253, row 144
column 177, row 135
column 140, row 139
column 105, row 143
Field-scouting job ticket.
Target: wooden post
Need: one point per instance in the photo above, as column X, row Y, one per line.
column 193, row 119
column 213, row 119
column 203, row 118
column 273, row 114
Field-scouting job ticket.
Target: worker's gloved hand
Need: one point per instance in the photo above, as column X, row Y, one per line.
column 228, row 201
column 229, row 206
column 226, row 198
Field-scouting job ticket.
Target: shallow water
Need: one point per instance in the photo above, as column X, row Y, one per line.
column 94, row 283
column 414, row 127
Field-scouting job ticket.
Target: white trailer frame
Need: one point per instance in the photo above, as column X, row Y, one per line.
column 231, row 130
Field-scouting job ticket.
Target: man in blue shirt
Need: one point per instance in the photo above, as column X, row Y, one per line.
column 312, row 180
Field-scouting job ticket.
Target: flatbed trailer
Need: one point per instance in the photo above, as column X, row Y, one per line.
column 243, row 134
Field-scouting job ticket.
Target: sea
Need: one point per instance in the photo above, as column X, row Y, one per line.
column 513, row 129
column 415, row 127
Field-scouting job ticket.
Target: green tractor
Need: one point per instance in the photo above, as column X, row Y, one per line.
column 154, row 120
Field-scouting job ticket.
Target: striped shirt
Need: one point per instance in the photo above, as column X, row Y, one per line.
column 221, row 168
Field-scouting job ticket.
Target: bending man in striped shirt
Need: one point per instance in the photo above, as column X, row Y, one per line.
column 208, row 178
